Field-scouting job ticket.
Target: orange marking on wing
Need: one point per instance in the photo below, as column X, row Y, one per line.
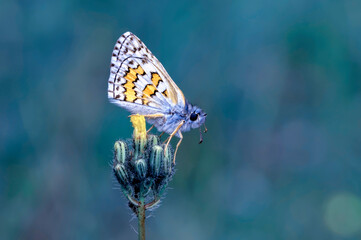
column 138, row 70
column 130, row 95
column 129, row 85
column 131, row 77
column 149, row 90
column 133, row 72
column 156, row 79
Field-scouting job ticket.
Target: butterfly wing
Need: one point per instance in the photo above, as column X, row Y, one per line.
column 138, row 82
column 175, row 94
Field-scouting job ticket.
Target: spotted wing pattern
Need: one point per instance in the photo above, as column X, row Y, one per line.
column 138, row 81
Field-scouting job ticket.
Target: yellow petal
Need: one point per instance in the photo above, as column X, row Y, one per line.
column 138, row 122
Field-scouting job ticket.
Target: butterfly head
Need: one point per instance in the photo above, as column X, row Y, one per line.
column 196, row 116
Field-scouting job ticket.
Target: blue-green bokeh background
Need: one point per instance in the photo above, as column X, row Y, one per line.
column 280, row 81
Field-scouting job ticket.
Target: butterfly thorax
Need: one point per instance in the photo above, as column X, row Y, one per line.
column 176, row 115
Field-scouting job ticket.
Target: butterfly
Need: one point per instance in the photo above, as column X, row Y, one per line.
column 139, row 83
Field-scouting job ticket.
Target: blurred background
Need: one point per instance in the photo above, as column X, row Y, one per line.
column 280, row 81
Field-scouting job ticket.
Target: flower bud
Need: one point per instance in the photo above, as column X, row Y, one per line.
column 167, row 162
column 152, row 140
column 155, row 160
column 120, row 151
column 141, row 168
column 122, row 176
column 139, row 144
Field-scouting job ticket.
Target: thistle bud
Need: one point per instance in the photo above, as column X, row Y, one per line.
column 139, row 144
column 141, row 168
column 153, row 140
column 122, row 177
column 167, row 162
column 120, row 151
column 155, row 160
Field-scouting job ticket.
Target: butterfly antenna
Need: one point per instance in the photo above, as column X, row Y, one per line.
column 200, row 135
column 205, row 128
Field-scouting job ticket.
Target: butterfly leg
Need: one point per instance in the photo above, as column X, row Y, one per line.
column 150, row 128
column 176, row 149
column 172, row 134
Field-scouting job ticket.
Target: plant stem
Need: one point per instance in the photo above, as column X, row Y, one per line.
column 141, row 219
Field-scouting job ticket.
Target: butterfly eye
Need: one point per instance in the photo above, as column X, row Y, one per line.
column 193, row 116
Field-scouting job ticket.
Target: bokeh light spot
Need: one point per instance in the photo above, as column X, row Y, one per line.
column 343, row 214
